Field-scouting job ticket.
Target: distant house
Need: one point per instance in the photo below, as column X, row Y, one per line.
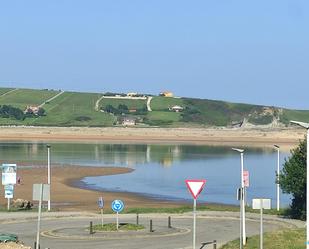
column 128, row 121
column 32, row 109
column 132, row 94
column 166, row 94
column 176, row 108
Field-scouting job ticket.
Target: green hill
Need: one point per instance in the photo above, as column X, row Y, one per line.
column 108, row 109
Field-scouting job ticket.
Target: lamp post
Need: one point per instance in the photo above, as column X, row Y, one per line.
column 277, row 176
column 242, row 199
column 48, row 172
column 306, row 126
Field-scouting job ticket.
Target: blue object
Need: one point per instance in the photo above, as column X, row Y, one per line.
column 117, row 206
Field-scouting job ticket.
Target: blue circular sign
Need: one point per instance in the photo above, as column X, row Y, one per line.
column 117, row 206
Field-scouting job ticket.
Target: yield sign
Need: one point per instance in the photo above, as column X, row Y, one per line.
column 195, row 187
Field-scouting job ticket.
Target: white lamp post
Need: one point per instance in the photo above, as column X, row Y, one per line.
column 242, row 199
column 48, row 172
column 306, row 126
column 277, row 176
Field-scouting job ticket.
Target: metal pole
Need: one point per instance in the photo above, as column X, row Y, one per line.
column 243, row 200
column 261, row 225
column 240, row 220
column 48, row 172
column 102, row 221
column 307, row 209
column 9, row 200
column 194, row 222
column 278, row 175
column 117, row 222
column 39, row 218
column 137, row 219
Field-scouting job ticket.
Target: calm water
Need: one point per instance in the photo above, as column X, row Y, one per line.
column 160, row 170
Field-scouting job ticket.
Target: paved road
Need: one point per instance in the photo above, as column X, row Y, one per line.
column 69, row 230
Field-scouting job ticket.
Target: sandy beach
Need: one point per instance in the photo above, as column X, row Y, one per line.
column 66, row 195
column 258, row 137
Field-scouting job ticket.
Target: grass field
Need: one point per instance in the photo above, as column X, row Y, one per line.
column 163, row 103
column 286, row 239
column 5, row 90
column 75, row 109
column 131, row 104
column 78, row 109
column 23, row 97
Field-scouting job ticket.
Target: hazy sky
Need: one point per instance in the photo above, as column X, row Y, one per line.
column 253, row 51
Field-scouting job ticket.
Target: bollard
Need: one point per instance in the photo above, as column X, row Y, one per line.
column 169, row 222
column 35, row 245
column 91, row 228
column 215, row 244
column 150, row 229
column 137, row 219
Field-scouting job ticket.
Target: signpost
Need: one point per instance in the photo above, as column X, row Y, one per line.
column 9, row 192
column 246, row 179
column 8, row 180
column 195, row 187
column 8, row 174
column 101, row 206
column 41, row 192
column 261, row 204
column 117, row 206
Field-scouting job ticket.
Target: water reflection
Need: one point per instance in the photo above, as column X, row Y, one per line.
column 160, row 169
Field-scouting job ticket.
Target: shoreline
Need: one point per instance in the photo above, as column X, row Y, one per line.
column 65, row 195
column 287, row 138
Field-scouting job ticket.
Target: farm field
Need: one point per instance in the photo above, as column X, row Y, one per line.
column 23, row 97
column 83, row 109
column 5, row 90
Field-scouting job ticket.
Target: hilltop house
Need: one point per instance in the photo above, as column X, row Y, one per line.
column 128, row 121
column 32, row 109
column 166, row 94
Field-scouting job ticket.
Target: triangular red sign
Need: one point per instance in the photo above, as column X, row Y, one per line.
column 195, row 187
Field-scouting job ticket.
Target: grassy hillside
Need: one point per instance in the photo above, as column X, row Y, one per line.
column 90, row 109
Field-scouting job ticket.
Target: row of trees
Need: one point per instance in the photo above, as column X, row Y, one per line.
column 123, row 109
column 8, row 111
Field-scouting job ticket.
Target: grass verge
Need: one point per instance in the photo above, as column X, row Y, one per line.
column 285, row 239
column 111, row 227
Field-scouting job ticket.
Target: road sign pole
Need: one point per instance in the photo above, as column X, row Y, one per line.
column 261, row 225
column 102, row 221
column 39, row 218
column 117, row 222
column 243, row 200
column 9, row 201
column 48, row 172
column 194, row 222
column 240, row 220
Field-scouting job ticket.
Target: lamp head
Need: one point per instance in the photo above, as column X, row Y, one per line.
column 277, row 146
column 238, row 150
column 302, row 124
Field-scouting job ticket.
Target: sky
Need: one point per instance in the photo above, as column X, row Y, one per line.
column 235, row 50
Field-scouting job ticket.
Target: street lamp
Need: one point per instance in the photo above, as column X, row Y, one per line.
column 306, row 126
column 242, row 199
column 48, row 172
column 277, row 176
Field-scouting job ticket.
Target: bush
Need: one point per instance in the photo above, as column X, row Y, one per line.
column 293, row 180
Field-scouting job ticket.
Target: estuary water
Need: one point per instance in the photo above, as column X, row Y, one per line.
column 160, row 171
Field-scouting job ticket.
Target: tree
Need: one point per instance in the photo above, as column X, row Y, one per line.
column 293, row 180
